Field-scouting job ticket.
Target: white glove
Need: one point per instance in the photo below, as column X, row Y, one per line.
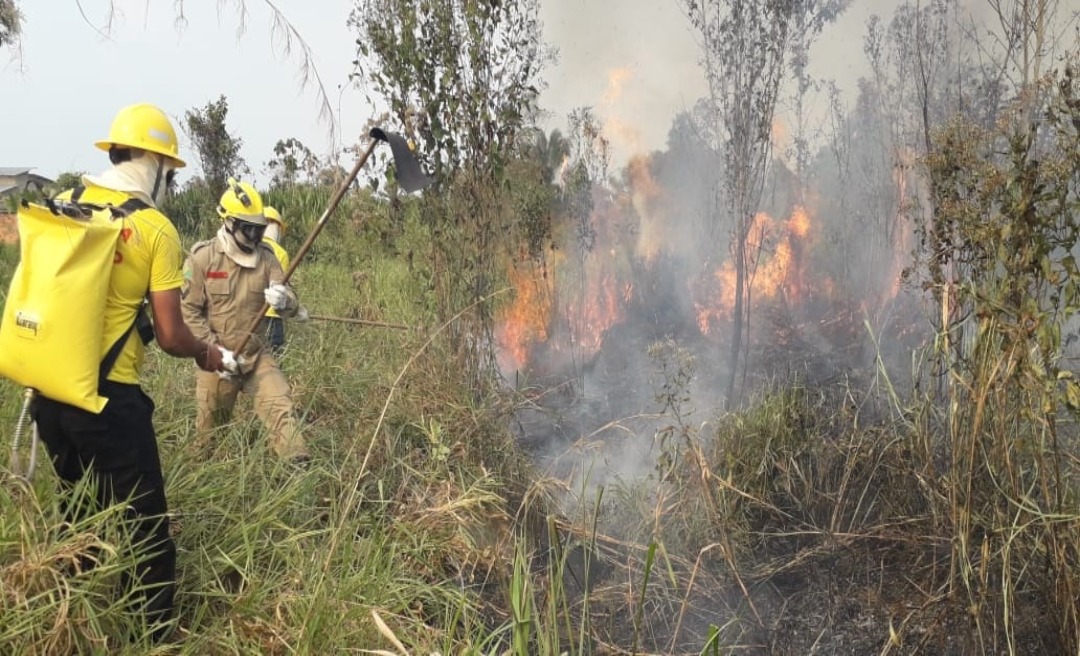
column 277, row 296
column 228, row 358
column 302, row 314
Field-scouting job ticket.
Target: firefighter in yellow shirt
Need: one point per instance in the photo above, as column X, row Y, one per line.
column 226, row 280
column 275, row 230
column 117, row 449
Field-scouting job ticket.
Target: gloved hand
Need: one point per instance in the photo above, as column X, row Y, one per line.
column 228, row 359
column 276, row 296
column 302, row 314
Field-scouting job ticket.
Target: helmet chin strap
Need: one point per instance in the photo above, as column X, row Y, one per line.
column 161, row 186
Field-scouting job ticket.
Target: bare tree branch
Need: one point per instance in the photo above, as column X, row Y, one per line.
column 283, row 33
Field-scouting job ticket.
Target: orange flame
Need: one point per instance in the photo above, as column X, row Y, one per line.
column 599, row 310
column 595, row 302
column 525, row 321
column 777, row 251
column 590, row 288
column 799, row 223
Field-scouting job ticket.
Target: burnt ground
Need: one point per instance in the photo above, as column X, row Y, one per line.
column 844, row 598
column 880, row 591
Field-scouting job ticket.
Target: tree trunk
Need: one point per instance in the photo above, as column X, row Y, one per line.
column 737, row 313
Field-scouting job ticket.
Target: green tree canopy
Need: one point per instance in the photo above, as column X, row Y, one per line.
column 219, row 151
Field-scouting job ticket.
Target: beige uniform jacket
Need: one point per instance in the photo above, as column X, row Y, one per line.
column 221, row 299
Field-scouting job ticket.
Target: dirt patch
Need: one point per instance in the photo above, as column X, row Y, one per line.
column 9, row 231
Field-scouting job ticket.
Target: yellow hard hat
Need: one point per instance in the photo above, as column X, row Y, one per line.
column 241, row 201
column 272, row 214
column 143, row 126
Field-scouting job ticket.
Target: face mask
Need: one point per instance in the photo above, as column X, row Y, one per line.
column 246, row 235
column 273, row 232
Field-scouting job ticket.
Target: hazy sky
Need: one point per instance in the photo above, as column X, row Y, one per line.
column 634, row 61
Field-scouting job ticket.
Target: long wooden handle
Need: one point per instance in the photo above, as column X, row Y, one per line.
column 358, row 322
column 338, row 195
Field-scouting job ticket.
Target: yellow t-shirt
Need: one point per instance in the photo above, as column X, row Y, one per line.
column 149, row 258
column 282, row 256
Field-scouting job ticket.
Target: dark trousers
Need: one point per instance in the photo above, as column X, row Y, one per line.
column 275, row 334
column 119, row 449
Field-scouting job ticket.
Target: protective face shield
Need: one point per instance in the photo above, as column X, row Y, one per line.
column 245, row 234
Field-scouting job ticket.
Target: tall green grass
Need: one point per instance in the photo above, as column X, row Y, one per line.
column 405, row 514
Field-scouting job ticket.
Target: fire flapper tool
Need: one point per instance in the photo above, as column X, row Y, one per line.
column 409, row 177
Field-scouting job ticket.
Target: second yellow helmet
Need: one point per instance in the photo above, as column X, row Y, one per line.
column 272, row 214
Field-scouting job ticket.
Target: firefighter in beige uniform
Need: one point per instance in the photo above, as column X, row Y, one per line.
column 226, row 281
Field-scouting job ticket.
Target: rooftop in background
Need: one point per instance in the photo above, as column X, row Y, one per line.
column 13, row 179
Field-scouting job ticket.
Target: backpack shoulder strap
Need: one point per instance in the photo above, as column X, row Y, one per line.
column 131, row 205
column 145, row 327
column 128, row 207
column 114, row 351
